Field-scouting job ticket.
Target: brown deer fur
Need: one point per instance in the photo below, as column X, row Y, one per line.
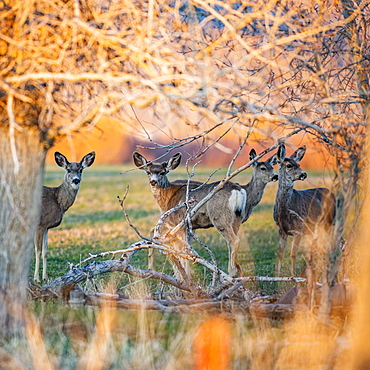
column 225, row 211
column 55, row 202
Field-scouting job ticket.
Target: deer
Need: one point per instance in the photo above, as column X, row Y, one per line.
column 54, row 204
column 226, row 210
column 300, row 213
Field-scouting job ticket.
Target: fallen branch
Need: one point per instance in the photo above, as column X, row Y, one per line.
column 271, row 278
column 79, row 275
column 238, row 283
column 166, row 249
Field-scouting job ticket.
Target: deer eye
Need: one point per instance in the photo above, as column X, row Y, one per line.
column 162, row 173
column 263, row 168
column 289, row 165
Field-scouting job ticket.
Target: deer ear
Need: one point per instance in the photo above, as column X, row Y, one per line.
column 174, row 162
column 281, row 153
column 88, row 160
column 299, row 153
column 273, row 160
column 252, row 154
column 139, row 160
column 61, row 160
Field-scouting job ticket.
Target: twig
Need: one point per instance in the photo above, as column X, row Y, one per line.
column 241, row 146
column 162, row 219
column 121, row 202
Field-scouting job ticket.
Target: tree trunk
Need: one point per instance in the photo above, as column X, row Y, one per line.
column 22, row 157
column 360, row 66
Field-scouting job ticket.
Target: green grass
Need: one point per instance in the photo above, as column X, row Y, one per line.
column 96, row 223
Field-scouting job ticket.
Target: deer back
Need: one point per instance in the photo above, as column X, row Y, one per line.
column 227, row 203
column 305, row 209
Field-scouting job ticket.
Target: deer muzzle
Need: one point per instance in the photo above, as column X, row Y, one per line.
column 303, row 176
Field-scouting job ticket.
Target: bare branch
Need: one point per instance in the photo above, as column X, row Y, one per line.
column 79, row 275
column 121, row 202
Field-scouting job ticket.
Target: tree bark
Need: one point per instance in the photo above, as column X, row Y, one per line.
column 360, row 65
column 22, row 157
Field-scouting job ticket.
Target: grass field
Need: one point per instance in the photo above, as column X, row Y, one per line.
column 144, row 339
column 96, row 223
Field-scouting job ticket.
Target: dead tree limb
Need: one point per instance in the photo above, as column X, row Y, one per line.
column 168, row 250
column 79, row 275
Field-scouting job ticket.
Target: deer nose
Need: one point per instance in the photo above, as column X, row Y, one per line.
column 275, row 178
column 76, row 181
column 303, row 176
column 153, row 182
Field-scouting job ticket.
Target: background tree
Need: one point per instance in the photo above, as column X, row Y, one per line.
column 256, row 69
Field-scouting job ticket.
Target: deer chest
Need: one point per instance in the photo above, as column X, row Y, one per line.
column 288, row 221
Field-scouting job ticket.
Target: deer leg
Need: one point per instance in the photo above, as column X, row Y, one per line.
column 293, row 252
column 38, row 251
column 44, row 256
column 236, row 227
column 282, row 245
column 234, row 268
column 180, row 244
column 233, row 243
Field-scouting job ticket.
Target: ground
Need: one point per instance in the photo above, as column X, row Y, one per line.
column 129, row 339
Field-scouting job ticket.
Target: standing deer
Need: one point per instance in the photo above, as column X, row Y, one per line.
column 225, row 211
column 55, row 203
column 300, row 213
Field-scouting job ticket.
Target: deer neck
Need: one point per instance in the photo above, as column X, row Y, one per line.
column 163, row 196
column 66, row 196
column 255, row 189
column 284, row 193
